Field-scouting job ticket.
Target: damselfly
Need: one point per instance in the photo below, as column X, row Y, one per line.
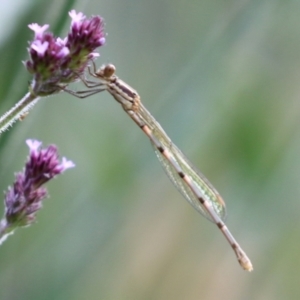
column 195, row 188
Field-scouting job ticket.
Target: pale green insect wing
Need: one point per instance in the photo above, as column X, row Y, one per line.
column 205, row 188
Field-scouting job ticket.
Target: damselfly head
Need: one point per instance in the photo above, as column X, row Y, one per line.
column 106, row 71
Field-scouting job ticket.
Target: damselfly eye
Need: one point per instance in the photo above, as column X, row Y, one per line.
column 109, row 70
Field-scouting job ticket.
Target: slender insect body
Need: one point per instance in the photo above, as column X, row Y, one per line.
column 189, row 181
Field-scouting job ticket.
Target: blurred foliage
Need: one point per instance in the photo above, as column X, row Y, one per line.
column 222, row 78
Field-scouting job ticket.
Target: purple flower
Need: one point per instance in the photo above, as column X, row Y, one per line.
column 55, row 62
column 40, row 47
column 85, row 35
column 38, row 30
column 24, row 198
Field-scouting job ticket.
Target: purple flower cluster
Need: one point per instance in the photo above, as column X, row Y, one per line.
column 24, row 198
column 55, row 62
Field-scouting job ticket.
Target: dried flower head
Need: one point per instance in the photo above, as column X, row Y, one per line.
column 55, row 62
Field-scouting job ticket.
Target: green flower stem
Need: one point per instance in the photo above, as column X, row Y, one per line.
column 5, row 231
column 18, row 112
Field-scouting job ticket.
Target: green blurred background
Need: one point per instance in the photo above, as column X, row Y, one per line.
column 222, row 78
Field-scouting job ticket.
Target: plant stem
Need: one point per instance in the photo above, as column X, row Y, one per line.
column 5, row 231
column 18, row 112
